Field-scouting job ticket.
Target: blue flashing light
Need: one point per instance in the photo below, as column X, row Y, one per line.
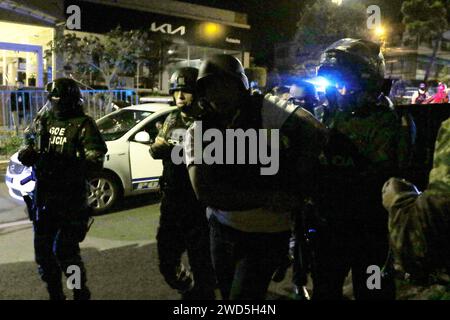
column 320, row 83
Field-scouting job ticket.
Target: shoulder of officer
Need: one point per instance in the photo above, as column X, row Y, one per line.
column 275, row 111
column 440, row 174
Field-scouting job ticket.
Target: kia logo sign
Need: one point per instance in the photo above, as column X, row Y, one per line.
column 166, row 28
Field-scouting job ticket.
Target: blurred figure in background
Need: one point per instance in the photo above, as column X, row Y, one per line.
column 303, row 94
column 421, row 95
column 441, row 95
column 20, row 105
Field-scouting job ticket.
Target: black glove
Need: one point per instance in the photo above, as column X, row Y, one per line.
column 28, row 156
column 180, row 279
column 393, row 187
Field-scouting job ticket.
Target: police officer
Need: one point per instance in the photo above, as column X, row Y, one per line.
column 421, row 95
column 367, row 145
column 183, row 225
column 419, row 224
column 63, row 146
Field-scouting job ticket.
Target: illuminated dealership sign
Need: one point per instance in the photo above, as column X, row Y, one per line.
column 167, row 28
column 191, row 31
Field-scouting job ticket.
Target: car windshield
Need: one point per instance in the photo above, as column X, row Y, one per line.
column 115, row 125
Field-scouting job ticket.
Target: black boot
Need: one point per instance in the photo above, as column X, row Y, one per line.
column 56, row 292
column 82, row 294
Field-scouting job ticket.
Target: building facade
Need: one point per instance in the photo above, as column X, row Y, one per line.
column 190, row 32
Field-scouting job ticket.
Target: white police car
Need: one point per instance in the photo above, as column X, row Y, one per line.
column 128, row 168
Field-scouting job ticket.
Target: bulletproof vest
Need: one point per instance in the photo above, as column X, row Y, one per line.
column 353, row 156
column 175, row 178
column 60, row 169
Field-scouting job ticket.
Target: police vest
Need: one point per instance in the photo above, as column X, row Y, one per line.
column 175, row 178
column 61, row 156
column 63, row 136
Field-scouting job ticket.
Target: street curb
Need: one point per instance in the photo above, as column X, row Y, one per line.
column 17, row 223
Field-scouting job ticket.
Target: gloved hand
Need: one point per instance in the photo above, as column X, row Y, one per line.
column 181, row 279
column 28, row 156
column 393, row 187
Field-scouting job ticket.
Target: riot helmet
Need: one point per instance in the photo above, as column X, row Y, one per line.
column 222, row 65
column 65, row 95
column 354, row 69
column 354, row 63
column 183, row 79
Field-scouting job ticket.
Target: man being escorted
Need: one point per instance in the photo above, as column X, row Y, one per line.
column 64, row 146
column 249, row 213
column 183, row 225
column 419, row 223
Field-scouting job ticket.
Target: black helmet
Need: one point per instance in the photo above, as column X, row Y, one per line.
column 183, row 79
column 357, row 63
column 222, row 65
column 65, row 93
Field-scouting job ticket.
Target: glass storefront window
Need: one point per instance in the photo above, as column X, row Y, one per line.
column 21, row 54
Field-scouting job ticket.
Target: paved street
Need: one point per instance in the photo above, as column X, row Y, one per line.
column 119, row 252
column 120, row 255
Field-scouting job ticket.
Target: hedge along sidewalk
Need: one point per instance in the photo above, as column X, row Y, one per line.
column 10, row 143
column 3, row 165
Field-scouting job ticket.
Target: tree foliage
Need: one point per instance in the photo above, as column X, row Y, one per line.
column 425, row 19
column 324, row 22
column 116, row 53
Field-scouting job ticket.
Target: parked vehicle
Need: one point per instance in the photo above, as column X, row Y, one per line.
column 128, row 168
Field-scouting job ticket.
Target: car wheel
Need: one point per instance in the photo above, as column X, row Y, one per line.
column 104, row 191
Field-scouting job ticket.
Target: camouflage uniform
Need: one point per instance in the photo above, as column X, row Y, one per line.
column 366, row 146
column 419, row 223
column 183, row 225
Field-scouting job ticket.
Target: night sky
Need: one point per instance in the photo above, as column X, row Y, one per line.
column 271, row 21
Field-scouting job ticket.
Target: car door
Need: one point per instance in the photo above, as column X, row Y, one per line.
column 145, row 171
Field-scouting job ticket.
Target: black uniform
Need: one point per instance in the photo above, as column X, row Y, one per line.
column 64, row 146
column 183, row 224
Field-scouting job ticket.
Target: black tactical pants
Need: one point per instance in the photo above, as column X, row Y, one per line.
column 353, row 245
column 183, row 228
column 57, row 251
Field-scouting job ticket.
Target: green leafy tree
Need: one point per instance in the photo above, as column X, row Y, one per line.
column 426, row 21
column 324, row 22
column 116, row 53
